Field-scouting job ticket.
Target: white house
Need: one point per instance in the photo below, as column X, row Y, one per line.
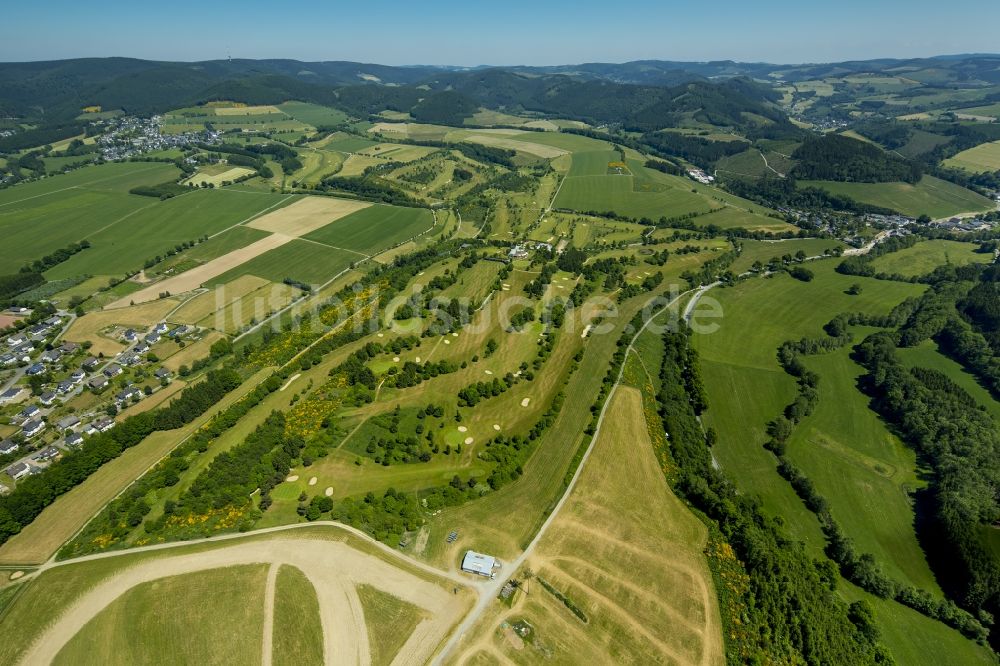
column 18, row 471
column 32, row 428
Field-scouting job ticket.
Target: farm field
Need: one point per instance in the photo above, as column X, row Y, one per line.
column 40, row 217
column 931, row 196
column 295, row 258
column 598, row 540
column 374, row 228
column 307, row 214
column 984, row 157
column 89, row 328
column 160, row 226
column 216, row 177
column 923, row 257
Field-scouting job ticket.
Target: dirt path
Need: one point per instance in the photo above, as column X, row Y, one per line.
column 268, row 638
column 334, row 568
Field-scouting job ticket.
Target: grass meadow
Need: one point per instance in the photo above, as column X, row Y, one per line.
column 746, row 386
column 984, row 157
column 931, row 196
column 206, row 617
column 298, row 632
column 374, row 228
column 924, row 257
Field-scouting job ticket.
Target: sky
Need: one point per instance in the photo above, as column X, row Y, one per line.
column 539, row 32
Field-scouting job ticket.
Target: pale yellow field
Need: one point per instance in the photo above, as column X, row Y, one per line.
column 306, row 215
column 217, row 179
column 88, row 327
column 205, row 304
column 397, row 152
column 498, row 141
column 250, row 308
column 626, row 552
column 153, row 401
column 196, row 277
column 192, row 352
column 245, row 110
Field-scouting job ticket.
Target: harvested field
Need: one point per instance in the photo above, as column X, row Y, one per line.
column 499, row 141
column 196, row 277
column 643, row 591
column 192, row 352
column 306, row 215
column 205, row 304
column 246, row 110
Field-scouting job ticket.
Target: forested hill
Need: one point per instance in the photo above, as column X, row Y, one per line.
column 836, row 157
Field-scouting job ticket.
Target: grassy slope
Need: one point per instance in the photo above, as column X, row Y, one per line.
column 747, row 387
column 152, row 231
column 745, row 390
column 922, row 258
column 764, row 252
column 931, row 196
column 927, row 355
column 862, row 469
column 298, row 633
column 208, row 617
column 982, row 158
column 299, row 259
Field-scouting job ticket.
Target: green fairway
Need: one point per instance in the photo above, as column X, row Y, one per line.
column 984, row 157
column 931, row 196
column 375, row 228
column 40, row 217
column 298, row 632
column 302, row 260
column 207, row 617
column 924, row 257
column 617, row 194
column 127, row 243
column 746, row 386
column 863, row 470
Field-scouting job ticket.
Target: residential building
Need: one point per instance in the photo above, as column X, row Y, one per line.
column 98, row 383
column 8, row 446
column 68, row 422
column 74, row 439
column 112, row 370
column 32, row 428
column 19, row 470
column 47, row 398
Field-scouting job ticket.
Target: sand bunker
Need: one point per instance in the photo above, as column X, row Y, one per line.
column 526, row 402
column 293, row 477
column 469, row 440
column 328, row 492
column 312, row 481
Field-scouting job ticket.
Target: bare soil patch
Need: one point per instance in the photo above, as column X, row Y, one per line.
column 306, row 215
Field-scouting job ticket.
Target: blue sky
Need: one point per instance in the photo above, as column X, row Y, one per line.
column 511, row 32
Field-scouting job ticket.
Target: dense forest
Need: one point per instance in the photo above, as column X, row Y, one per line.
column 841, row 158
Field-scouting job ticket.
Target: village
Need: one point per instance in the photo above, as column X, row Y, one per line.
column 55, row 394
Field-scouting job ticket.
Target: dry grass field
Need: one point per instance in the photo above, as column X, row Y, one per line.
column 627, row 553
column 192, row 352
column 217, row 179
column 250, row 308
column 501, row 141
column 194, row 278
column 307, row 214
column 203, row 305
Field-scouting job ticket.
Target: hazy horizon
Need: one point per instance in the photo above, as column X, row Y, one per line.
column 454, row 34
